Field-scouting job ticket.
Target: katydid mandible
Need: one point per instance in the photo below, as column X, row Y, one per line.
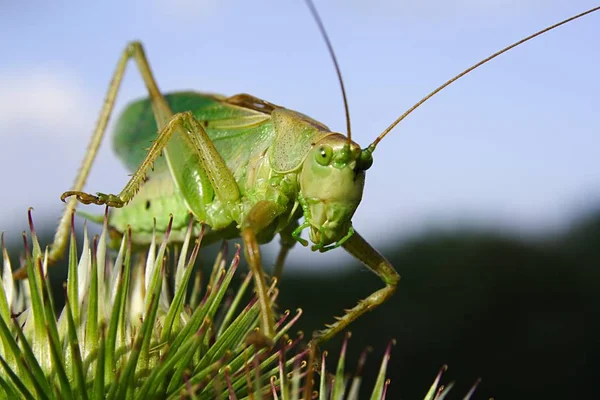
column 245, row 168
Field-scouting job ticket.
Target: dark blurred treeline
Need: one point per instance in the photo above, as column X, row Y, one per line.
column 521, row 315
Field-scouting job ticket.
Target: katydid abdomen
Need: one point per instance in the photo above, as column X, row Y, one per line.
column 150, row 209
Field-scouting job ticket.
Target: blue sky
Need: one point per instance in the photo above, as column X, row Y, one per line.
column 515, row 145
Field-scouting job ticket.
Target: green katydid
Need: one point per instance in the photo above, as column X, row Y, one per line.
column 243, row 167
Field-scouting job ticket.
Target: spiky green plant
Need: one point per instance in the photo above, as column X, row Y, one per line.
column 131, row 329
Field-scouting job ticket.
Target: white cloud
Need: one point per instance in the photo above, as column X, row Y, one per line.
column 42, row 100
column 45, row 117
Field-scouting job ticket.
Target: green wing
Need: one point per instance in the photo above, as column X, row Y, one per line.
column 238, row 132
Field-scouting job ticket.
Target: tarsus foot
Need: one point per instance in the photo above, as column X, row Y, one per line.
column 110, row 200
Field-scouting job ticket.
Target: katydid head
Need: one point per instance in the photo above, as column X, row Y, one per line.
column 332, row 179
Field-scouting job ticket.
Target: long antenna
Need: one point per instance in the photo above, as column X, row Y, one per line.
column 466, row 71
column 315, row 15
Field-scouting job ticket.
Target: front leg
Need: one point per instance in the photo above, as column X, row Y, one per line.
column 184, row 131
column 363, row 251
column 132, row 187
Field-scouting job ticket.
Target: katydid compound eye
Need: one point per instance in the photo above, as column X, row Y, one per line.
column 324, row 155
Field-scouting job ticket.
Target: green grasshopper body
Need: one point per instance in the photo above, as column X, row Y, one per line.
column 246, row 133
column 243, row 167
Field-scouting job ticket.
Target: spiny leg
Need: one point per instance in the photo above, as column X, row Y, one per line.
column 162, row 114
column 259, row 217
column 362, row 250
column 193, row 134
